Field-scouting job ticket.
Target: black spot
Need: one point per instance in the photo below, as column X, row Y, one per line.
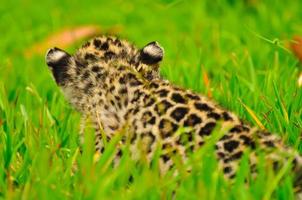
column 236, row 156
column 225, row 137
column 126, row 102
column 179, row 113
column 86, row 44
column 192, row 120
column 236, row 129
column 227, row 169
column 207, row 129
column 105, row 86
column 133, row 137
column 233, row 157
column 152, row 120
column 135, row 111
column 117, row 42
column 122, row 80
column 136, row 95
column 253, row 168
column 154, row 85
column 245, row 128
column 80, row 65
column 269, row 143
column 231, row 145
column 105, row 46
column 295, row 163
column 163, row 93
column 165, row 158
column 116, row 117
column 178, row 98
column 221, row 154
column 232, row 176
column 126, row 116
column 146, row 97
column 119, row 104
column 262, row 133
column 133, row 80
column 226, row 116
column 123, row 91
column 121, row 68
column 102, row 149
column 95, row 68
column 131, row 179
column 248, row 141
column 276, row 166
column 150, row 101
column 193, row 96
column 85, row 75
column 214, row 115
column 109, row 55
column 112, row 88
column 97, row 43
column 78, row 71
column 190, row 135
column 151, row 136
column 90, row 56
column 119, row 153
column 98, row 136
column 202, row 107
column 177, row 89
column 102, row 75
column 88, row 87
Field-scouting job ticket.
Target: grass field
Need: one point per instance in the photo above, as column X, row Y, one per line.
column 240, row 45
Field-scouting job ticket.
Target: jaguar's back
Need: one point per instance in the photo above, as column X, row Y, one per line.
column 119, row 87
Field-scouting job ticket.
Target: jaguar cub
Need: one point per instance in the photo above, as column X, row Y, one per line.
column 118, row 85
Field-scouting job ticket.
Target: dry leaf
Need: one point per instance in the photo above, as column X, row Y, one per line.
column 206, row 81
column 296, row 47
column 66, row 37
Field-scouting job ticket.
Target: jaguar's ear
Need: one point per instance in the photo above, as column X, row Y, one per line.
column 56, row 57
column 58, row 61
column 151, row 54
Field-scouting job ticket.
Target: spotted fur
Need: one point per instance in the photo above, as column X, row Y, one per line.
column 119, row 87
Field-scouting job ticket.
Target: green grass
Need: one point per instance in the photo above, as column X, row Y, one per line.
column 239, row 44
